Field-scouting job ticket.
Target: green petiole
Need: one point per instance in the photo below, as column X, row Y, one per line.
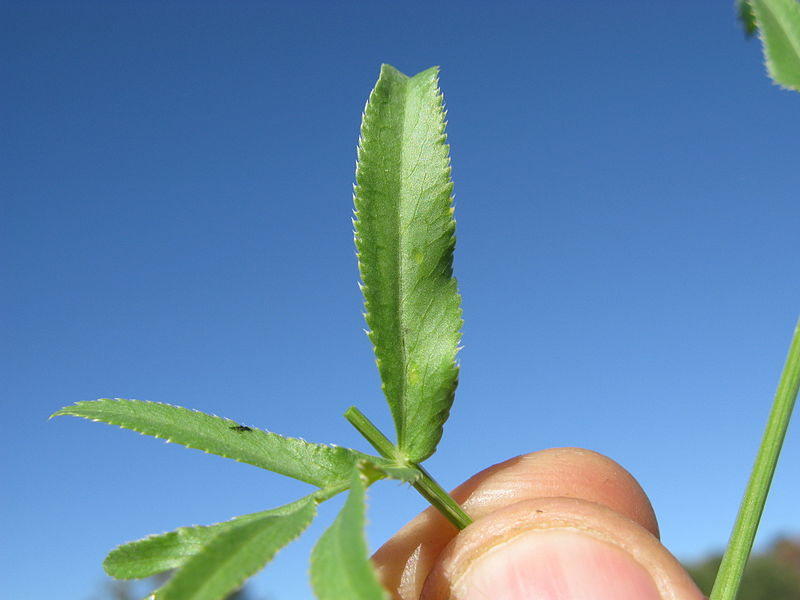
column 426, row 485
column 373, row 435
column 439, row 498
column 736, row 554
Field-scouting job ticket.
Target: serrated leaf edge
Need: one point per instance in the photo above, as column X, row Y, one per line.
column 311, row 502
column 794, row 43
column 360, row 471
column 70, row 411
column 221, row 525
column 411, row 451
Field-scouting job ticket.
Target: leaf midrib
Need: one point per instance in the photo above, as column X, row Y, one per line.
column 403, row 403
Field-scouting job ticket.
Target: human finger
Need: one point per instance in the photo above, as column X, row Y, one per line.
column 557, row 549
column 405, row 561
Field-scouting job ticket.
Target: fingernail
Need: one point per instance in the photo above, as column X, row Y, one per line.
column 555, row 565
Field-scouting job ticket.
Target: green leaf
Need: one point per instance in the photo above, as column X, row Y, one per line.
column 779, row 26
column 163, row 552
column 235, row 554
column 158, row 553
column 746, row 16
column 320, row 465
column 404, row 233
column 340, row 565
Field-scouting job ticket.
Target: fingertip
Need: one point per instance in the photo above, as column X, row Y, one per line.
column 557, row 548
column 404, row 561
column 559, row 472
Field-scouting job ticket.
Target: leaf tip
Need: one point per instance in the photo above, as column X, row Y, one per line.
column 59, row 413
column 69, row 411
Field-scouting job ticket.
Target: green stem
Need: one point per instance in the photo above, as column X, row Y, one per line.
column 425, row 485
column 438, row 497
column 374, row 435
column 730, row 571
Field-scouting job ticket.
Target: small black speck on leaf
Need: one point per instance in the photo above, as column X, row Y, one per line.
column 240, row 428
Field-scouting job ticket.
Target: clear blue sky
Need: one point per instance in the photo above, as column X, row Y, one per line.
column 175, row 226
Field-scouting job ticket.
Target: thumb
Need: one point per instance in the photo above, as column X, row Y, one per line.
column 557, row 549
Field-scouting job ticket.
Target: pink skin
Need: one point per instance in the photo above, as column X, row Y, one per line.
column 558, row 524
column 556, row 565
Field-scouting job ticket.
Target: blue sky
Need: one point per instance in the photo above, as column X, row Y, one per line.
column 176, row 202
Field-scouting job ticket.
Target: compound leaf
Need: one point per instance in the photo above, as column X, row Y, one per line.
column 320, row 465
column 340, row 565
column 404, row 233
column 166, row 551
column 233, row 555
column 778, row 23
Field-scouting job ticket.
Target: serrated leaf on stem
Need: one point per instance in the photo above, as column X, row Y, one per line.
column 340, row 565
column 163, row 552
column 236, row 553
column 404, row 232
column 317, row 464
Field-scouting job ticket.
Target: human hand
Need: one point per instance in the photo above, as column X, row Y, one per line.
column 559, row 524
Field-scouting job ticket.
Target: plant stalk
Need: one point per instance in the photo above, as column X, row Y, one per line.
column 373, row 435
column 434, row 493
column 729, row 576
column 426, row 485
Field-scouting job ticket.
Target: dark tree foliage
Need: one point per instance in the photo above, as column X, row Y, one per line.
column 771, row 575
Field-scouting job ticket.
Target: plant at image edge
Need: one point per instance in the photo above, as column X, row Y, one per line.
column 405, row 241
column 404, row 234
column 778, row 25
